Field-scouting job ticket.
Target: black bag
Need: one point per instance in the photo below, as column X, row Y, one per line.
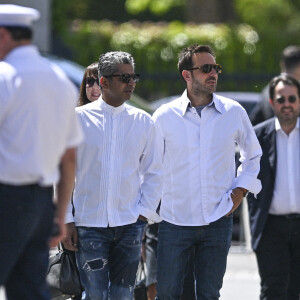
column 140, row 289
column 63, row 276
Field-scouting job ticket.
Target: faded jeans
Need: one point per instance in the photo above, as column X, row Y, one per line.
column 108, row 259
column 175, row 246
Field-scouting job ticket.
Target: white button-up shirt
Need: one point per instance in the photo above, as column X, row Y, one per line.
column 286, row 196
column 118, row 170
column 37, row 119
column 199, row 159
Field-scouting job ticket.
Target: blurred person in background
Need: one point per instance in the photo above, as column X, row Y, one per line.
column 39, row 131
column 90, row 86
column 290, row 65
column 275, row 214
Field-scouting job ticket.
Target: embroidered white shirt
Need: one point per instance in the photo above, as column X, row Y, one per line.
column 118, row 170
column 198, row 157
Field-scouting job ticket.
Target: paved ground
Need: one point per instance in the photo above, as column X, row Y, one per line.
column 241, row 280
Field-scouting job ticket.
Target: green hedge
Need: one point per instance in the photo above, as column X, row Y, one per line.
column 155, row 47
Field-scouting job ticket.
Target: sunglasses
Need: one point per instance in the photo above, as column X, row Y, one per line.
column 125, row 78
column 89, row 81
column 291, row 99
column 207, row 68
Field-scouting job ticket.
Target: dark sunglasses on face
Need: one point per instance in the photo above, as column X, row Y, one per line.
column 207, row 68
column 125, row 78
column 291, row 99
column 89, row 81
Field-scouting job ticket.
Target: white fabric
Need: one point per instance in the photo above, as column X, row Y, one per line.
column 286, row 196
column 37, row 119
column 118, row 171
column 199, row 159
column 15, row 15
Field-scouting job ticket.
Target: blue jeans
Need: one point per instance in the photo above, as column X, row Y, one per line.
column 175, row 246
column 26, row 218
column 108, row 259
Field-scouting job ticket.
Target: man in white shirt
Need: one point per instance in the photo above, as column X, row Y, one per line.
column 118, row 184
column 38, row 132
column 275, row 214
column 198, row 133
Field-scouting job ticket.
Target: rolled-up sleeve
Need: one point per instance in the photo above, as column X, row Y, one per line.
column 251, row 153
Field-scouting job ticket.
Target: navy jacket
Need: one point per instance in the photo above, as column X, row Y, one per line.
column 259, row 208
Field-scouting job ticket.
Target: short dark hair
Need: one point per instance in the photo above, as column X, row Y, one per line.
column 19, row 33
column 290, row 58
column 91, row 70
column 185, row 56
column 285, row 79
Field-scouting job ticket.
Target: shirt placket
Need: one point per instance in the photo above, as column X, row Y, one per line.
column 291, row 171
column 111, row 175
column 202, row 164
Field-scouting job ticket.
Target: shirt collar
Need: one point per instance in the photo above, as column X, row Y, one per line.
column 185, row 103
column 111, row 109
column 278, row 126
column 21, row 51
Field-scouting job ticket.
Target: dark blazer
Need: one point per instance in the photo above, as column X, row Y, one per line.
column 259, row 208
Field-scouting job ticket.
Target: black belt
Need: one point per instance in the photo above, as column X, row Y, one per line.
column 288, row 216
column 28, row 186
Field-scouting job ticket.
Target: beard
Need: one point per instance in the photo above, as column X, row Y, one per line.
column 287, row 119
column 199, row 88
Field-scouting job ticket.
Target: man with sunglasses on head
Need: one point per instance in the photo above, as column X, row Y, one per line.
column 118, row 184
column 198, row 133
column 275, row 214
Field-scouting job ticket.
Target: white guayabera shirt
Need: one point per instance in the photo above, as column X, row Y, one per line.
column 118, row 170
column 198, row 155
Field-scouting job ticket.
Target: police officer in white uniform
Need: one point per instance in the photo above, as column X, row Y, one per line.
column 38, row 135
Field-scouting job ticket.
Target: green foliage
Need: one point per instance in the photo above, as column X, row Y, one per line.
column 273, row 18
column 265, row 13
column 64, row 10
column 157, row 7
column 248, row 49
column 155, row 46
column 276, row 21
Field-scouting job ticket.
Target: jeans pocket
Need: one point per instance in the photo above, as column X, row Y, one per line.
column 141, row 222
column 229, row 216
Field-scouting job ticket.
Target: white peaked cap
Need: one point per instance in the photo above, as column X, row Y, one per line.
column 15, row 15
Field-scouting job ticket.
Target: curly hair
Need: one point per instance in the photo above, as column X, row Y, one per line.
column 110, row 61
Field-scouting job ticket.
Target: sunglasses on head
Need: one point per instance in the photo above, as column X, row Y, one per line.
column 125, row 78
column 89, row 81
column 291, row 99
column 207, row 68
